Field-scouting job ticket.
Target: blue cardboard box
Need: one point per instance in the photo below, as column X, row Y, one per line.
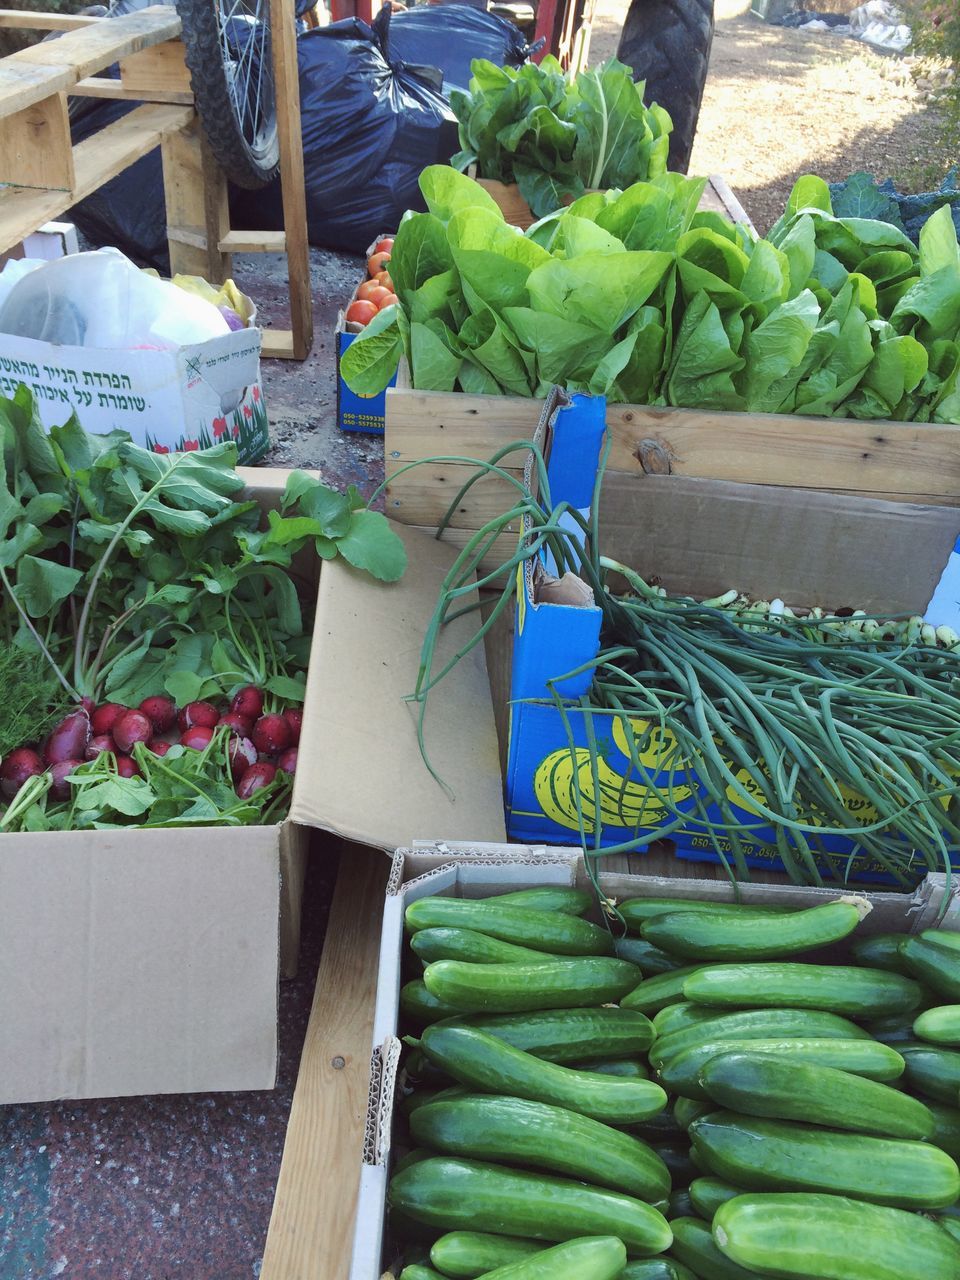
column 357, row 413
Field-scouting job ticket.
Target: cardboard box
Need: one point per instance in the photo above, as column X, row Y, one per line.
column 365, row 415
column 478, row 871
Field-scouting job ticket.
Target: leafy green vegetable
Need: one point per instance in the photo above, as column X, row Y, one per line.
column 32, row 701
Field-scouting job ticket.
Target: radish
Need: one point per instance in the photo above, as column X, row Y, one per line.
column 294, row 719
column 242, row 754
column 248, row 702
column 17, row 768
column 127, row 767
column 105, row 717
column 158, row 746
column 196, row 738
column 241, row 725
column 60, row 788
column 257, row 776
column 271, row 734
column 198, row 715
column 88, row 704
column 99, row 742
column 160, row 712
column 130, row 728
column 68, row 741
column 287, row 760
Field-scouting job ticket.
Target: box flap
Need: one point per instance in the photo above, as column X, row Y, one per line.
column 359, row 746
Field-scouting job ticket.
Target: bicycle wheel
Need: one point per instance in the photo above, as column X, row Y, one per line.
column 231, row 72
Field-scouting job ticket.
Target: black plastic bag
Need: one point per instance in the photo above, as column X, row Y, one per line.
column 450, row 36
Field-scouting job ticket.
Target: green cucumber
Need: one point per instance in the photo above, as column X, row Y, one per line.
column 708, row 936
column 681, row 1074
column 657, row 1269
column 465, row 1255
column 417, row 1271
column 775, row 1086
column 892, row 1030
column 659, row 1128
column 654, row 994
column 686, row 1110
column 514, row 988
column 551, row 931
column 708, row 1194
column 679, row 1204
column 932, row 1071
column 412, row 1157
column 683, row 1016
column 880, row 951
column 935, row 960
column 420, row 1071
column 778, row 1155
column 571, row 902
column 420, row 1007
column 473, row 1196
column 650, row 960
column 475, row 1058
column 940, row 1025
column 636, row 911
column 467, row 944
column 693, row 1245
column 860, row 994
column 946, row 1128
column 950, row 1225
column 590, row 1258
column 568, row 1035
column 626, row 1067
column 758, row 1024
column 538, row 1135
column 677, row 1159
column 833, row 1238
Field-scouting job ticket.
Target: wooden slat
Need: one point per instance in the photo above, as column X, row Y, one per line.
column 104, row 87
column 427, row 491
column 22, row 86
column 311, row 1228
column 254, row 242
column 30, row 21
column 195, row 195
column 35, row 147
column 278, row 344
column 96, row 160
column 161, row 68
column 92, row 48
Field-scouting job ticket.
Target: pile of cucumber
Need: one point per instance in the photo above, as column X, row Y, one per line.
column 723, row 1092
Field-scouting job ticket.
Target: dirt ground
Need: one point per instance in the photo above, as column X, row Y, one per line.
column 779, row 103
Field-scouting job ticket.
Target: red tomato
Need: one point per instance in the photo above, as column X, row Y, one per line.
column 363, row 293
column 376, row 263
column 389, row 300
column 384, row 246
column 361, row 312
column 383, row 278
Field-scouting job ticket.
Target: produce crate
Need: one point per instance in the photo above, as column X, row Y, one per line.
column 477, row 871
column 361, row 414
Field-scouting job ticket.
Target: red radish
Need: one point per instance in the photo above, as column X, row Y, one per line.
column 88, row 704
column 105, row 717
column 243, row 754
column 158, row 746
column 241, row 725
column 202, row 715
column 17, row 768
column 131, row 728
column 99, row 742
column 127, row 767
column 60, row 788
column 271, row 734
column 257, row 776
column 287, row 760
column 69, row 739
column 197, row 738
column 160, row 711
column 294, row 719
column 248, row 702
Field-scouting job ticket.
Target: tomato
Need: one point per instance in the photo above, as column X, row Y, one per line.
column 361, row 312
column 383, row 278
column 388, row 300
column 375, row 263
column 384, row 246
column 369, row 290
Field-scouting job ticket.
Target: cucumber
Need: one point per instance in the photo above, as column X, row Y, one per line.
column 682, row 1016
column 946, row 1128
column 467, row 1254
column 418, row 1006
column 514, row 988
column 681, row 1074
column 657, row 1269
column 892, row 1030
column 860, row 994
column 467, row 944
column 590, row 1258
column 678, row 1161
column 880, row 951
column 474, row 1196
column 934, row 960
column 778, row 1155
column 679, row 1204
column 759, row 1024
column 420, row 1071
column 650, row 960
column 833, row 1238
column 708, row 1194
column 551, row 931
column 704, row 935
column 951, row 1226
column 654, row 994
column 625, row 1067
column 411, row 1157
column 569, row 1035
column 693, row 1245
column 659, row 1129
column 636, row 911
column 540, row 1136
column 417, row 1271
column 932, row 1071
column 685, row 1111
column 571, row 902
column 480, row 1060
column 775, row 1086
column 940, row 1025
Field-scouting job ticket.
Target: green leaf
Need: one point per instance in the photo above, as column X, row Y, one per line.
column 329, row 508
column 371, row 359
column 372, row 544
column 938, row 244
column 420, row 252
column 433, row 366
column 775, row 347
column 298, row 484
column 605, row 289
column 289, row 688
column 447, row 192
column 42, row 585
column 129, row 796
column 860, row 197
column 183, row 686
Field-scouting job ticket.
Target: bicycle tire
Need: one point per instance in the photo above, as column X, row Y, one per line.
column 248, row 162
column 667, row 44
